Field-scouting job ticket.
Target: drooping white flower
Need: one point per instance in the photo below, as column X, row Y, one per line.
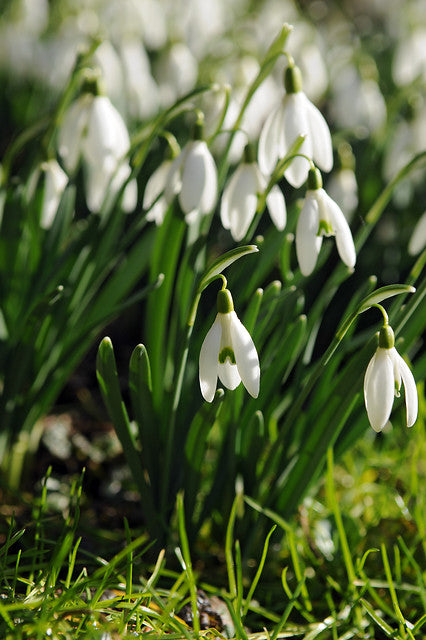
column 193, row 178
column 321, row 216
column 94, row 131
column 295, row 116
column 240, row 198
column 382, row 382
column 55, row 181
column 154, row 200
column 228, row 352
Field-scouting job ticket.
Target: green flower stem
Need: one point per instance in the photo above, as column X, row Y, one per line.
column 383, row 312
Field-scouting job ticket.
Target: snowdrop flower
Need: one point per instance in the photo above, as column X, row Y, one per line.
column 321, row 216
column 94, row 131
column 193, row 177
column 154, row 200
column 295, row 116
column 382, row 382
column 55, row 181
column 240, row 198
column 228, row 352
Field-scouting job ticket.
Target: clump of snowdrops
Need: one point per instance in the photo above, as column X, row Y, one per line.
column 106, row 219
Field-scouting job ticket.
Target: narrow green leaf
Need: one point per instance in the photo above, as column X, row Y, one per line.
column 110, row 388
column 224, row 261
column 391, row 585
column 382, row 294
column 382, row 624
column 107, row 375
column 258, row 573
column 140, row 388
column 230, row 565
column 140, row 382
column 165, row 258
column 420, row 622
column 252, row 310
column 188, row 563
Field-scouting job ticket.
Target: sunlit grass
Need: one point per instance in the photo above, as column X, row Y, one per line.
column 350, row 565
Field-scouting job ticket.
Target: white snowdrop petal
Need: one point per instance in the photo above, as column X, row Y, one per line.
column 71, row 132
column 97, row 182
column 130, row 196
column 158, row 211
column 379, row 389
column 268, row 150
column 295, row 123
column 199, row 181
column 209, row 360
column 411, row 399
column 174, row 177
column 228, row 374
column 242, row 216
column 308, row 243
column 224, row 210
column 107, row 136
column 344, row 240
column 246, row 356
column 277, row 207
column 319, row 133
column 55, row 182
column 394, row 356
column 346, row 247
column 193, row 177
column 210, row 191
column 156, row 184
column 418, row 238
column 241, row 198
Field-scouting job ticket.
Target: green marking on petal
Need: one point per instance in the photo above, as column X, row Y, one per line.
column 324, row 228
column 227, row 352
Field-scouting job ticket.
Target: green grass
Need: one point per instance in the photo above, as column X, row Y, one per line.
column 350, row 565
